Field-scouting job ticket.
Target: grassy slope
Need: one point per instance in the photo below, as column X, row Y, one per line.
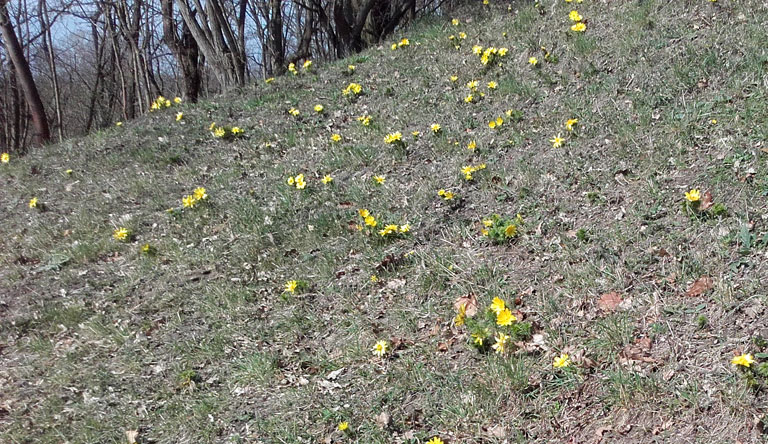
column 199, row 343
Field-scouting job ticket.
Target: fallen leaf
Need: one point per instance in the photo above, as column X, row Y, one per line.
column 383, row 419
column 469, row 302
column 498, row 431
column 639, row 351
column 609, row 301
column 700, row 286
column 131, row 435
column 600, row 431
column 335, row 374
column 706, row 201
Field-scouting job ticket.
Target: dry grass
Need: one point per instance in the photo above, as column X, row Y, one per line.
column 199, row 343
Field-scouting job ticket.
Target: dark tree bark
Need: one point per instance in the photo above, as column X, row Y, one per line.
column 24, row 74
column 185, row 50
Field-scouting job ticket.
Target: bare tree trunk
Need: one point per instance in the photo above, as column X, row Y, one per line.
column 185, row 49
column 48, row 43
column 31, row 93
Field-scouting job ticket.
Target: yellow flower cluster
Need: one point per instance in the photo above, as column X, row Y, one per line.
column 5, row 158
column 319, row 108
column 393, row 138
column 294, row 112
column 579, row 25
column 469, row 169
column 394, row 229
column 490, row 54
column 365, row 120
column 497, row 122
column 367, row 217
column 197, row 196
column 353, row 89
column 161, row 102
column 447, row 195
column 306, row 67
column 225, row 132
column 402, row 43
column 297, row 181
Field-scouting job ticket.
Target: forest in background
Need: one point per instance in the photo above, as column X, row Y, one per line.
column 68, row 67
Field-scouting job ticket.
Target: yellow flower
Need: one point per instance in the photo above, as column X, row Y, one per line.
column 501, row 342
column 394, row 46
column 118, row 123
column 435, row 440
column 370, row 221
column 389, row 229
column 365, row 120
column 557, row 141
column 319, row 108
column 435, row 128
column 562, row 361
column 343, row 426
column 294, row 112
column 179, row 116
column 472, row 84
column 307, row 64
column 290, row 286
column 416, row 134
column 454, row 79
column 462, row 35
column 69, row 171
column 188, row 201
column 5, row 158
column 469, row 98
column 713, row 121
column 693, row 195
column 505, row 317
column 200, row 193
column 570, row 123
column 146, row 248
column 351, row 68
column 167, row 103
column 380, row 348
column 300, row 184
column 498, row 305
column 177, row 100
column 477, row 49
column 492, row 85
column 492, row 124
column 404, row 42
column 236, row 131
column 374, row 278
column 327, row 179
column 447, row 195
column 579, row 27
column 352, row 88
column 212, row 126
column 455, row 22
column 488, row 223
column 121, row 234
column 478, row 338
column 460, row 316
column 499, row 121
column 219, row 132
column 574, row 16
column 363, row 213
column 393, row 138
column 405, row 228
column 503, row 52
column 511, row 230
column 379, row 179
column 335, row 137
column 533, row 61
column 33, row 202
column 292, row 68
column 471, row 145
column 291, row 181
column 269, row 80
column 744, row 360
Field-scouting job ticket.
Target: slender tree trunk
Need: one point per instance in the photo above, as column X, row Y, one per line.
column 48, row 40
column 27, row 81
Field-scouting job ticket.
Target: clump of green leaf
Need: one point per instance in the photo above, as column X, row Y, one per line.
column 500, row 229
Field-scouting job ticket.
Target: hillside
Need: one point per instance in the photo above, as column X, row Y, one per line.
column 637, row 247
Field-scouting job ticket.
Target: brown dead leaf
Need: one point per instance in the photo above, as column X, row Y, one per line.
column 445, row 346
column 346, row 204
column 700, row 286
column 609, row 302
column 706, row 201
column 469, row 302
column 600, row 431
column 639, row 351
column 498, row 431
